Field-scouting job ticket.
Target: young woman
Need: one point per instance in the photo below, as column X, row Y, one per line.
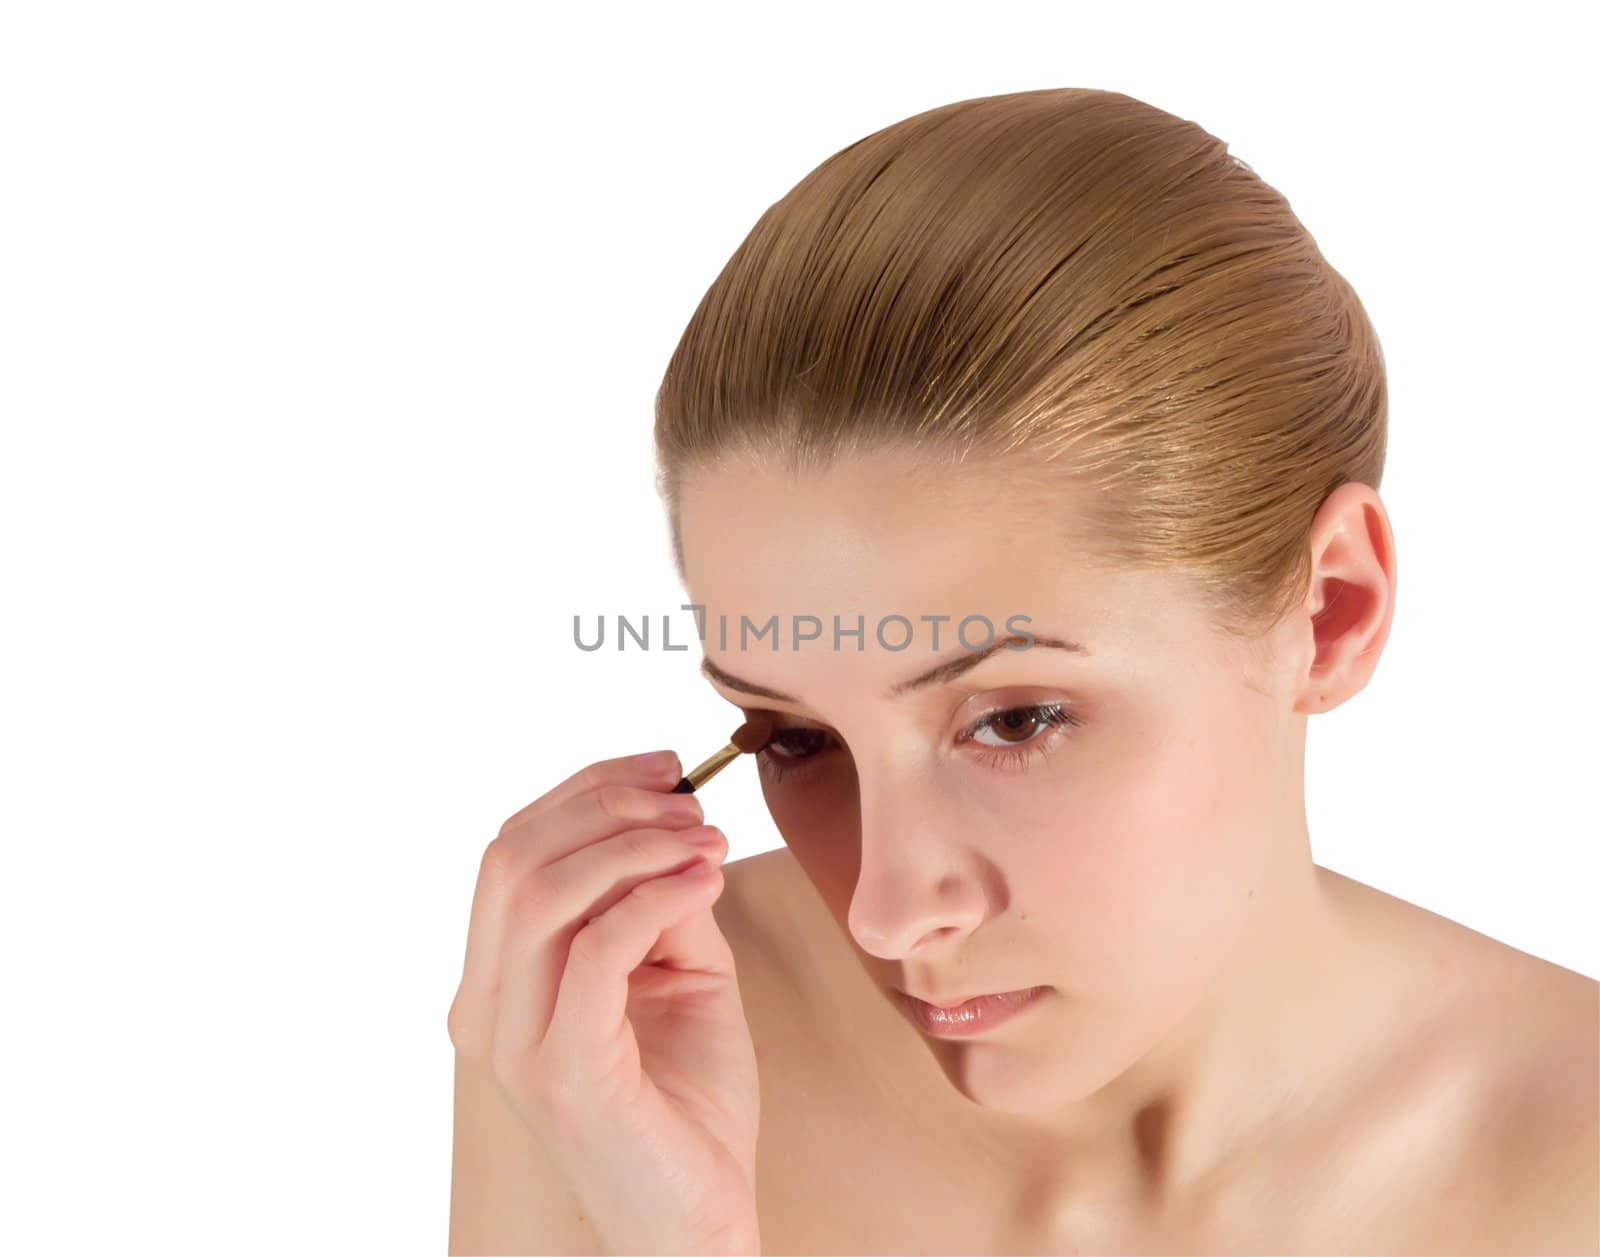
column 1045, row 424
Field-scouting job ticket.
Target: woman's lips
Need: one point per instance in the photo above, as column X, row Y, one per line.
column 957, row 1003
column 973, row 1016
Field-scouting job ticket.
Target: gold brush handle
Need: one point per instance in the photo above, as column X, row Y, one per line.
column 702, row 773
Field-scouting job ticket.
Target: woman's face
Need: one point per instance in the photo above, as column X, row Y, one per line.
column 1102, row 822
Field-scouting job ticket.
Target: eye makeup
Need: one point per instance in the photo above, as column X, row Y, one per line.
column 1045, row 725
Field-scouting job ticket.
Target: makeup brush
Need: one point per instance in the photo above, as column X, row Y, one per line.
column 747, row 739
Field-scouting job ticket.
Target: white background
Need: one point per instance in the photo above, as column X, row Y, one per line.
column 328, row 341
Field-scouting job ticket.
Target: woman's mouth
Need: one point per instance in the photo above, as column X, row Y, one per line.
column 971, row 1017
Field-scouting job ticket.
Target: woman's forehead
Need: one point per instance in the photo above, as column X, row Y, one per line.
column 918, row 564
column 860, row 527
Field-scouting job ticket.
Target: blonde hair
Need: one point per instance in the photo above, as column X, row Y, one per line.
column 1067, row 279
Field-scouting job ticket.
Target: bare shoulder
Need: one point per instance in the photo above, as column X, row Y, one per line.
column 746, row 894
column 755, row 911
column 757, row 874
column 1515, row 1044
column 1546, row 1100
column 767, row 905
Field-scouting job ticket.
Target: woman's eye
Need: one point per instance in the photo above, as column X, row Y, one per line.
column 791, row 749
column 1023, row 733
column 1019, row 733
column 1019, row 725
column 794, row 745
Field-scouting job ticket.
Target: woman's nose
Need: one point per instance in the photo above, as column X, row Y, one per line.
column 915, row 880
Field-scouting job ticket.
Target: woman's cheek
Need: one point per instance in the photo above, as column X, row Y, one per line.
column 1120, row 832
column 1158, row 885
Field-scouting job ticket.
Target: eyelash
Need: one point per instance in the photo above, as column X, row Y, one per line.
column 1052, row 716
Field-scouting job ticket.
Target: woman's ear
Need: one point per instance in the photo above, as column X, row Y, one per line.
column 1350, row 599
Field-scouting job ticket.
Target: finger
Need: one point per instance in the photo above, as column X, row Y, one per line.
column 578, row 822
column 696, row 942
column 588, row 1025
column 551, row 906
column 629, row 770
column 583, row 819
column 471, row 1017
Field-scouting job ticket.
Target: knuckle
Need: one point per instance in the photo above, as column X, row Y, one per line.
column 643, row 846
column 463, row 1027
column 589, row 777
column 499, row 861
column 588, row 945
column 515, row 819
column 531, row 904
column 612, row 800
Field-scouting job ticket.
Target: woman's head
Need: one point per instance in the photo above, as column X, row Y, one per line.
column 1053, row 355
column 1072, row 276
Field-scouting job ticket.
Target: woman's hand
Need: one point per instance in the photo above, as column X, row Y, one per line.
column 600, row 992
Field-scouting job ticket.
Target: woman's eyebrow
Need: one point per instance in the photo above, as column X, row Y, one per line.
column 939, row 674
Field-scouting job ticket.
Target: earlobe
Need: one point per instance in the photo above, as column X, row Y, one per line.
column 1351, row 596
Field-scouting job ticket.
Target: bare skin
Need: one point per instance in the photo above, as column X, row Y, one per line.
column 1468, row 1128
column 1466, row 1123
column 1240, row 1051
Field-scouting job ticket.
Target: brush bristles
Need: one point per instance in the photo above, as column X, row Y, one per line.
column 752, row 735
